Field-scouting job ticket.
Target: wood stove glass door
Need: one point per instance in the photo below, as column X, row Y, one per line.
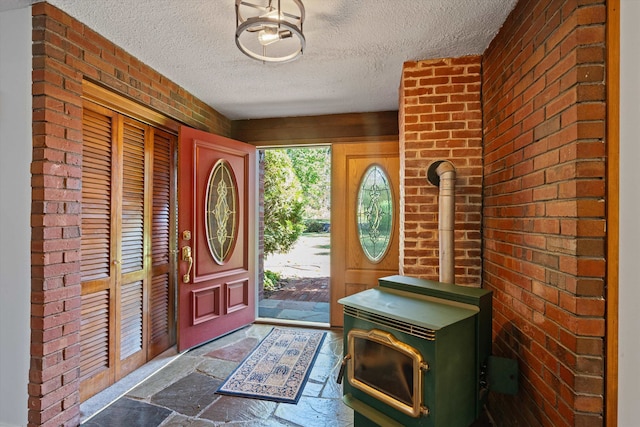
column 355, row 266
column 387, row 369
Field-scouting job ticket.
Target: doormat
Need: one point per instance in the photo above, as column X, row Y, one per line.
column 278, row 368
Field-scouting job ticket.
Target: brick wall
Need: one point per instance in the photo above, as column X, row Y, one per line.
column 64, row 52
column 543, row 218
column 440, row 119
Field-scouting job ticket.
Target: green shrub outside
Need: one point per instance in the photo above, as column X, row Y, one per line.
column 316, row 225
column 271, row 280
column 283, row 203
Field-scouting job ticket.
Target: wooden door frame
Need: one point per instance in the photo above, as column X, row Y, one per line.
column 321, row 130
column 260, row 222
column 613, row 211
column 118, row 103
column 284, row 139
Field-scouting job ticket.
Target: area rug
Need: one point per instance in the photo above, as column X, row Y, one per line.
column 278, row 367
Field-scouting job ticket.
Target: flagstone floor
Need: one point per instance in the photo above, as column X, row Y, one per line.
column 182, row 393
column 305, row 311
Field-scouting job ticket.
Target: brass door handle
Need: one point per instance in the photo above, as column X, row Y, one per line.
column 186, row 256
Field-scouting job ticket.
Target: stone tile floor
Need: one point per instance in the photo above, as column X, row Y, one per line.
column 183, row 393
column 306, row 311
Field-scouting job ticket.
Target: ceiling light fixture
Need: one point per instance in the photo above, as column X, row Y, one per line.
column 270, row 30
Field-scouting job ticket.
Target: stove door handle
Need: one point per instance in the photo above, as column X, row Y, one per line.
column 341, row 372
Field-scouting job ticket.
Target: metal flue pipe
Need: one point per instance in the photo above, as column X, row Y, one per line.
column 442, row 174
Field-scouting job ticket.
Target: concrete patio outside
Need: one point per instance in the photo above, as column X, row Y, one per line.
column 305, row 270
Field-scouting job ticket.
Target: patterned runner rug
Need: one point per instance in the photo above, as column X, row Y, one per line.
column 278, row 367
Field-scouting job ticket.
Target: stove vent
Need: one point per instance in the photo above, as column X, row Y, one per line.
column 399, row 325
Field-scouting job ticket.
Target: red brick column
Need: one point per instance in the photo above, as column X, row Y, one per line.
column 440, row 119
column 55, row 220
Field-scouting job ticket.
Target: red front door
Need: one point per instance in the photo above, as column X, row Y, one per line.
column 216, row 236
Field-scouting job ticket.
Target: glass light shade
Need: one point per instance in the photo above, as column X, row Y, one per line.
column 268, row 35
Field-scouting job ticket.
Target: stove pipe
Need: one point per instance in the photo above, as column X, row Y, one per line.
column 442, row 174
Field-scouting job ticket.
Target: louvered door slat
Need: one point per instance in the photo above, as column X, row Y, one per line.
column 161, row 199
column 131, row 319
column 95, row 265
column 160, row 303
column 135, row 137
column 96, row 195
column 94, row 339
column 159, row 313
column 133, row 196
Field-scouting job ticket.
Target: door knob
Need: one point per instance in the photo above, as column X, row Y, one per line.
column 186, row 256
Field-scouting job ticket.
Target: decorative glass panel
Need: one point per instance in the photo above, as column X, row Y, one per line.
column 221, row 216
column 375, row 213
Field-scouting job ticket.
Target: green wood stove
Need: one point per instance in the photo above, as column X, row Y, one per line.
column 416, row 353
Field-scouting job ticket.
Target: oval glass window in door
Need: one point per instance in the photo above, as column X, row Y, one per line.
column 221, row 215
column 375, row 213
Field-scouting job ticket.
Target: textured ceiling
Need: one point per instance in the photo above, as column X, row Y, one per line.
column 352, row 61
